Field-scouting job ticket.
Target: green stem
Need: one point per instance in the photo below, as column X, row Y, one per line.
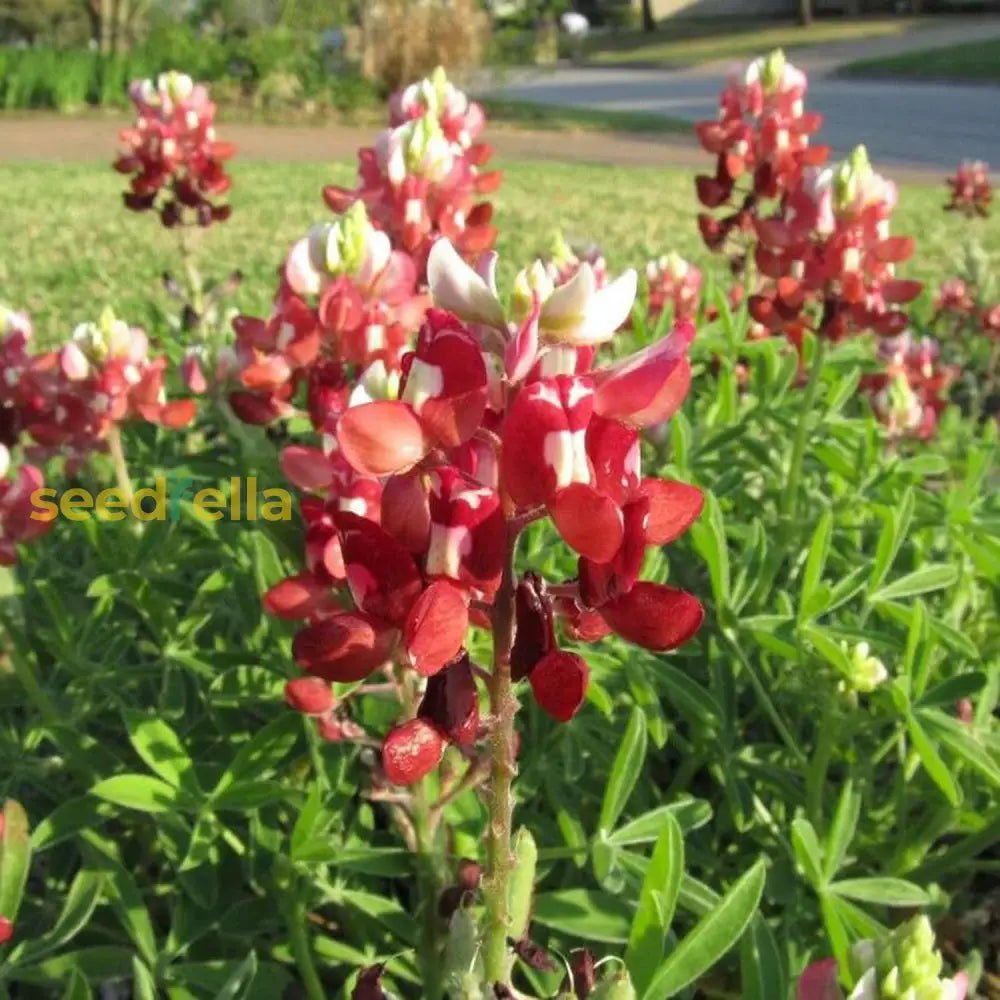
column 500, row 860
column 297, row 919
column 820, row 763
column 121, row 466
column 195, row 284
column 790, row 500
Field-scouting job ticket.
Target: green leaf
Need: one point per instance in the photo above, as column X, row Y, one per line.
column 827, row 647
column 808, row 852
column 143, row 983
column 625, row 770
column 934, row 576
column 81, row 901
column 161, row 750
column 709, row 537
column 138, row 791
column 657, row 903
column 836, row 930
column 585, row 914
column 893, row 533
column 67, row 820
column 15, row 858
column 882, row 891
column 960, row 741
column 935, row 767
column 77, row 988
column 691, row 814
column 841, row 833
column 711, row 937
column 952, row 690
column 816, row 561
column 521, row 888
column 763, row 974
column 264, row 752
column 249, row 795
column 239, row 982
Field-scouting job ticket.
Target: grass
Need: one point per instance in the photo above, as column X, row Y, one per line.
column 71, row 248
column 683, row 42
column 971, row 61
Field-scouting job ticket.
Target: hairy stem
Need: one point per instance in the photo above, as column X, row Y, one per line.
column 500, row 862
column 790, row 500
column 121, row 466
column 297, row 920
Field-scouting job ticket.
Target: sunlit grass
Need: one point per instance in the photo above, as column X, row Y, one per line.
column 70, row 247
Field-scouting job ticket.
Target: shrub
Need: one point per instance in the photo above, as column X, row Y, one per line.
column 405, row 39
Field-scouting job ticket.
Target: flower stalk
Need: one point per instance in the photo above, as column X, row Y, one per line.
column 121, row 466
column 503, row 705
column 790, row 500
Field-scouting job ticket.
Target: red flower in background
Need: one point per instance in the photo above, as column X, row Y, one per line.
column 176, row 164
column 422, row 178
column 970, row 189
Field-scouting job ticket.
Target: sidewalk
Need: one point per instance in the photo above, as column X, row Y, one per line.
column 71, row 140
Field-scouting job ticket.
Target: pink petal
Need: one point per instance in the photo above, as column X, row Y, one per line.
column 178, row 414
column 819, row 982
column 305, row 467
column 382, row 438
column 654, row 616
column 648, row 387
column 589, row 522
column 673, row 508
column 435, row 627
column 522, row 350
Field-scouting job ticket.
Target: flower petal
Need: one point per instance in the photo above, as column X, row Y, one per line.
column 345, row 648
column 673, row 508
column 435, row 628
column 559, row 683
column 458, row 288
column 819, row 981
column 309, row 695
column 589, row 522
column 608, row 310
column 648, row 387
column 381, row 438
column 451, row 702
column 654, row 616
column 298, row 597
column 564, row 311
column 305, row 467
column 411, row 751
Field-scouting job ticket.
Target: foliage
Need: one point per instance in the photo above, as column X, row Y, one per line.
column 820, row 759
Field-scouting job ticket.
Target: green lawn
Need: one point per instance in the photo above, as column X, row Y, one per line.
column 70, row 248
column 972, row 61
column 530, row 115
column 683, row 42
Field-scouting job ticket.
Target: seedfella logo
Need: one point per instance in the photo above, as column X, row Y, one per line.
column 164, row 501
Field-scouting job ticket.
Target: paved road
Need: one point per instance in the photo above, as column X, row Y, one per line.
column 915, row 124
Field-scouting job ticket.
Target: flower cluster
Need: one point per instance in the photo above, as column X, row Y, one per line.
column 674, row 283
column 761, row 137
column 911, row 392
column 346, row 303
column 970, row 190
column 176, row 165
column 422, row 177
column 498, row 420
column 903, row 965
column 828, row 258
column 66, row 402
column 565, row 259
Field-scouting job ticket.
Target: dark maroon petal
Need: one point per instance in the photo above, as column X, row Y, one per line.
column 451, row 702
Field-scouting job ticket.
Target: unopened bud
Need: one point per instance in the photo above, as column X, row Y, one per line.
column 867, row 671
column 772, row 71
